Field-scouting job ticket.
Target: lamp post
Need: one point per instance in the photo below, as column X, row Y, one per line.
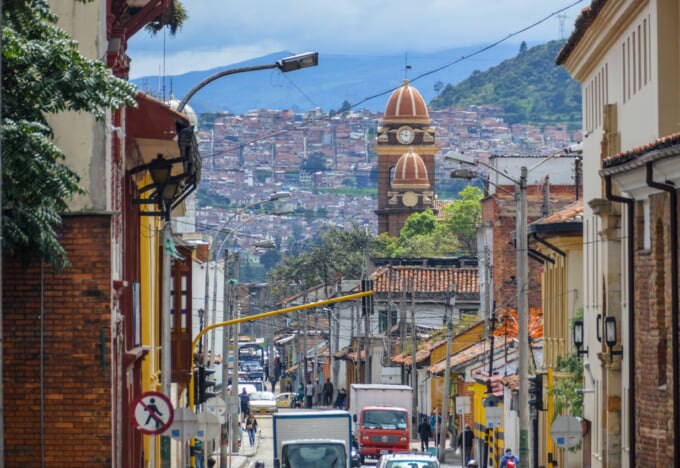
column 522, row 293
column 446, row 393
column 214, row 254
column 286, row 64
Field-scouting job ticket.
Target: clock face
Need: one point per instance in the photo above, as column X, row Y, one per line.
column 405, row 135
column 409, row 199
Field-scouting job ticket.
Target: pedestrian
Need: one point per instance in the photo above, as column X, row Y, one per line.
column 465, row 442
column 433, row 421
column 340, row 400
column 438, row 429
column 327, row 393
column 509, row 460
column 309, row 394
column 244, row 403
column 251, row 427
column 424, row 432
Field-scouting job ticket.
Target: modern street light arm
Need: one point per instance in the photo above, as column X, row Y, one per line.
column 216, row 76
column 286, row 64
column 460, row 158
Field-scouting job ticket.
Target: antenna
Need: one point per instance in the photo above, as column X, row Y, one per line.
column 407, row 67
column 562, row 18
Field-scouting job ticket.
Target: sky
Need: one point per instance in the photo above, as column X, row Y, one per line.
column 222, row 32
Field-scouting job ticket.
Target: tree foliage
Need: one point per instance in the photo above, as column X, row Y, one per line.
column 529, row 87
column 568, row 398
column 43, row 74
column 463, row 217
column 334, row 252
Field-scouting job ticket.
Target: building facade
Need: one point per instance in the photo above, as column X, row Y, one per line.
column 626, row 55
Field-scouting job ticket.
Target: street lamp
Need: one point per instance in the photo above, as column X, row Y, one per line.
column 213, row 254
column 522, row 294
column 285, row 65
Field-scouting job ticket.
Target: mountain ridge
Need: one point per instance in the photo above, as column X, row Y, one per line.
column 364, row 79
column 529, row 87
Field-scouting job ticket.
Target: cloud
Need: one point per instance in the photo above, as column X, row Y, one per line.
column 217, row 30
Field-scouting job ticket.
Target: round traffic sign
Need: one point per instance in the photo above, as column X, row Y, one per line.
column 566, row 431
column 152, row 413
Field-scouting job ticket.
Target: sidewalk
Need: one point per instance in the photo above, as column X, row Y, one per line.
column 451, row 460
column 245, row 454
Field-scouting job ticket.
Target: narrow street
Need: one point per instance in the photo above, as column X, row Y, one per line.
column 265, row 446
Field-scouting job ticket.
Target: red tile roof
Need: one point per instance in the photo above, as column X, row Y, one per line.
column 581, row 25
column 572, row 213
column 431, row 280
column 630, row 155
column 467, row 354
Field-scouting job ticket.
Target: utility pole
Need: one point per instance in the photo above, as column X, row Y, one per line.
column 414, row 367
column 522, row 312
column 447, row 374
column 233, row 306
column 367, row 303
column 304, row 341
column 232, row 406
column 166, row 346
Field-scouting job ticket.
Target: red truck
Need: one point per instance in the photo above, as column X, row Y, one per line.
column 382, row 418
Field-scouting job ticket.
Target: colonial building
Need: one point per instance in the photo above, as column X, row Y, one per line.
column 81, row 344
column 626, row 55
column 406, row 149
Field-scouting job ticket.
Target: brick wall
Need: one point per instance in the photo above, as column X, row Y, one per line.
column 653, row 370
column 77, row 388
column 499, row 210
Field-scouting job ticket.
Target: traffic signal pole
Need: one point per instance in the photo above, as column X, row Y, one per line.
column 263, row 315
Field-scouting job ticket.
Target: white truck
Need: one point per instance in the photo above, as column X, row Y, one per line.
column 382, row 414
column 305, row 439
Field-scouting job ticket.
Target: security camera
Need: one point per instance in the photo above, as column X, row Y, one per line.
column 586, row 365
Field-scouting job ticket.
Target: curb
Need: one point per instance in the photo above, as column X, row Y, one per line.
column 247, row 457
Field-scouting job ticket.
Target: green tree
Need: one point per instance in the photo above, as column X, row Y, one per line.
column 43, row 74
column 419, row 224
column 462, row 217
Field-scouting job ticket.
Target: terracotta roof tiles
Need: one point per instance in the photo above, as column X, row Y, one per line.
column 430, row 280
column 630, row 155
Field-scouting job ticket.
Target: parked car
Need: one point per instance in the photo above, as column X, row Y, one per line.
column 285, row 400
column 262, row 402
column 410, row 460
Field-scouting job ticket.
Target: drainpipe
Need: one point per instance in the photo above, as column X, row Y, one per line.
column 674, row 297
column 630, row 205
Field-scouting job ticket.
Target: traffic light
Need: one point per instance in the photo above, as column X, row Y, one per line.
column 536, row 391
column 205, row 384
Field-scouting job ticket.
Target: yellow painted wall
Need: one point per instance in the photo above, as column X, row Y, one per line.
column 149, row 237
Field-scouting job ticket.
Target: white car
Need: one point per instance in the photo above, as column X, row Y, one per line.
column 408, row 460
column 262, row 402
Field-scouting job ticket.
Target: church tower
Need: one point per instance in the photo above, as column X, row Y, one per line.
column 406, row 150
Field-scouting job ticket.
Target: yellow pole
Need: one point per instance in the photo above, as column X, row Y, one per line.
column 249, row 318
column 551, row 409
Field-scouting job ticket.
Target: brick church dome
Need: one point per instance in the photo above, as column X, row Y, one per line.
column 410, row 172
column 406, row 105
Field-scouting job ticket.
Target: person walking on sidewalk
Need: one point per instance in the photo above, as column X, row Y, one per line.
column 244, row 403
column 465, row 442
column 309, row 394
column 327, row 393
column 424, row 433
column 251, row 427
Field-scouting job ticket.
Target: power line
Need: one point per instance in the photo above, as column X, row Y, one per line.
column 392, row 89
